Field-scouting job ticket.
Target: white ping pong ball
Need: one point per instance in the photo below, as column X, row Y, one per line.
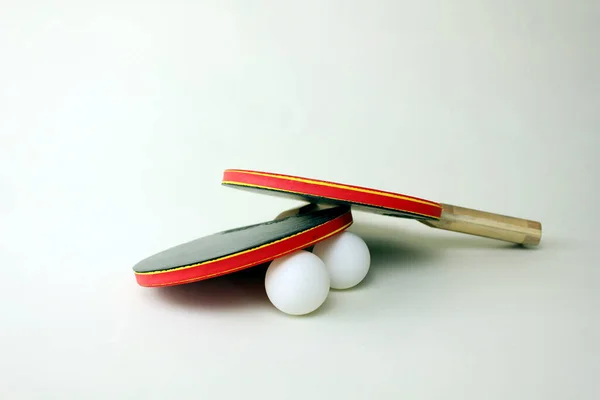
column 297, row 283
column 346, row 257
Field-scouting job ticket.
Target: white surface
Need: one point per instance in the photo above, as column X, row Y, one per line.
column 346, row 257
column 298, row 283
column 118, row 118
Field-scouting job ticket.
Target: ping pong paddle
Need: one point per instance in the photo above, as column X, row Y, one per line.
column 434, row 214
column 237, row 249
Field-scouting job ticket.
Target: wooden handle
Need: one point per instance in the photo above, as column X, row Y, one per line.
column 485, row 224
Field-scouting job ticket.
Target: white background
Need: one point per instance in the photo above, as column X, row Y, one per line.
column 118, row 118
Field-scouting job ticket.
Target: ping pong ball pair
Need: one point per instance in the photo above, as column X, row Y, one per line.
column 299, row 283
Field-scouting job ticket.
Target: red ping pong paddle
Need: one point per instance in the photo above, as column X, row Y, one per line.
column 236, row 249
column 430, row 213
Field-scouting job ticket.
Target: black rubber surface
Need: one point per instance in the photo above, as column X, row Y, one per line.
column 236, row 240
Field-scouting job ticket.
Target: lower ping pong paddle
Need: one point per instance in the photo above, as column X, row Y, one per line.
column 237, row 249
column 430, row 213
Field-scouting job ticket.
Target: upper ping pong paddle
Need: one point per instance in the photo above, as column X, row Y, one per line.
column 236, row 249
column 433, row 214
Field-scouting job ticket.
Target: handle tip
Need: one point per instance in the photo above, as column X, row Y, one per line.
column 534, row 235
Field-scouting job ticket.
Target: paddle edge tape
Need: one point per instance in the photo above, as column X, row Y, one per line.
column 330, row 190
column 246, row 259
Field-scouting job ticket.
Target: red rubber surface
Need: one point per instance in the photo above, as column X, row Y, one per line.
column 335, row 191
